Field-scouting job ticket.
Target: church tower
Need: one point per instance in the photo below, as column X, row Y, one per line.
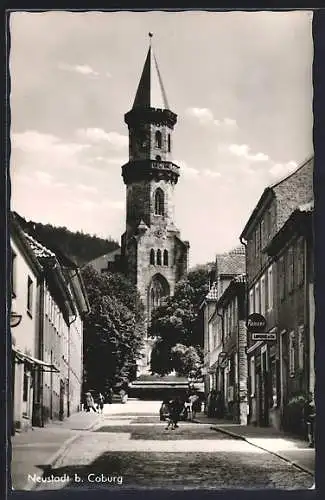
column 154, row 255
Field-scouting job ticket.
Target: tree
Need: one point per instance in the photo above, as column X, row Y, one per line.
column 177, row 322
column 186, row 359
column 113, row 330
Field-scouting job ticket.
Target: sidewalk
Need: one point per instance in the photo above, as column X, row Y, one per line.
column 35, row 450
column 290, row 449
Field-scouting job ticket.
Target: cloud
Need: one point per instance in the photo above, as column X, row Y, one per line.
column 205, row 117
column 188, row 171
column 243, row 151
column 96, row 135
column 282, row 169
column 32, row 141
column 211, row 173
column 82, row 69
column 86, row 189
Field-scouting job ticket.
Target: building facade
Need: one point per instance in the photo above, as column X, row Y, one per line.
column 227, row 267
column 52, row 361
column 26, row 276
column 274, row 208
column 152, row 251
column 292, row 250
column 232, row 372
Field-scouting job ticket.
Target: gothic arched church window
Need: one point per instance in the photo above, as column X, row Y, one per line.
column 159, row 202
column 158, row 257
column 159, row 288
column 165, row 258
column 169, row 144
column 152, row 256
column 158, row 139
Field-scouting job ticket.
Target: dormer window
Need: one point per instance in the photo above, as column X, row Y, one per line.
column 158, row 139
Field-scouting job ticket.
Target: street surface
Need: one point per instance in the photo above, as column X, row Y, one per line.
column 130, row 448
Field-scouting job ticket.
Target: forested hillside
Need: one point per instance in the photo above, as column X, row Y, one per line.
column 78, row 246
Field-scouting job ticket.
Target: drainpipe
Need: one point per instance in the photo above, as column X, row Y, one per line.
column 40, row 388
column 69, row 361
column 222, row 341
column 246, row 313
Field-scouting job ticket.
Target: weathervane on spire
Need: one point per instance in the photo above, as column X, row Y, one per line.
column 150, row 37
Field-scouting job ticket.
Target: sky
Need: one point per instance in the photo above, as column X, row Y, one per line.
column 240, row 83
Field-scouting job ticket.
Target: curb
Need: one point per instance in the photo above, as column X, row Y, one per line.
column 243, row 438
column 53, row 459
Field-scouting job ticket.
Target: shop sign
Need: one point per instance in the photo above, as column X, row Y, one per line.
column 256, row 323
column 263, row 336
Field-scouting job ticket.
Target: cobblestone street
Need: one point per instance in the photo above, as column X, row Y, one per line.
column 129, row 447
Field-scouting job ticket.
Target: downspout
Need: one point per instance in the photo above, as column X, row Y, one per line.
column 69, row 361
column 41, row 353
column 246, row 313
column 222, row 343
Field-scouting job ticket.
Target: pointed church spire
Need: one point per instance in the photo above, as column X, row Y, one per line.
column 151, row 92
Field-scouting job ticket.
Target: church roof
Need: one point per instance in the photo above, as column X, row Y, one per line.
column 151, row 92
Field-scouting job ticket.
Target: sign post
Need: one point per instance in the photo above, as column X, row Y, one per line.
column 256, row 325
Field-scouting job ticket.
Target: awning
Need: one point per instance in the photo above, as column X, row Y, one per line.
column 46, row 367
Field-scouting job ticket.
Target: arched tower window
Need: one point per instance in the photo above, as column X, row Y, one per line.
column 158, row 157
column 152, row 256
column 169, row 144
column 165, row 258
column 158, row 289
column 158, row 139
column 159, row 202
column 158, row 257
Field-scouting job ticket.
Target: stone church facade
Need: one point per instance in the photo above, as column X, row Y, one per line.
column 153, row 255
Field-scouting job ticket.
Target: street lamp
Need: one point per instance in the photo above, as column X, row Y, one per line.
column 15, row 319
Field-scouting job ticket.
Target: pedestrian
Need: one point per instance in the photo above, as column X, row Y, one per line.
column 123, row 395
column 174, row 411
column 309, row 413
column 90, row 403
column 110, row 396
column 100, row 403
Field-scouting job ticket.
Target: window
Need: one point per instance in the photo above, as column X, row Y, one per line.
column 165, row 258
column 270, row 288
column 13, row 273
column 301, row 347
column 262, row 233
column 252, row 375
column 152, row 257
column 258, row 241
column 158, row 157
column 158, row 139
column 159, row 202
column 158, row 257
column 29, row 295
column 292, row 354
column 26, row 384
column 169, row 144
column 257, row 298
column 300, row 261
column 263, row 295
column 290, row 269
column 251, row 302
column 281, row 270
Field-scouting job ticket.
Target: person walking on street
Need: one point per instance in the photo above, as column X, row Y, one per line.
column 309, row 418
column 90, row 402
column 100, row 402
